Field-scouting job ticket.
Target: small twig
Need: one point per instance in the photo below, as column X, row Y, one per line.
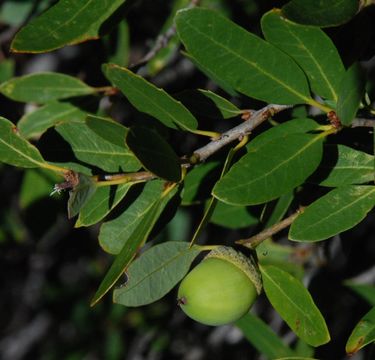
column 238, row 132
column 363, row 122
column 255, row 240
column 161, row 41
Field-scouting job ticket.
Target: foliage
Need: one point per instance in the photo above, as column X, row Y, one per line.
column 294, row 161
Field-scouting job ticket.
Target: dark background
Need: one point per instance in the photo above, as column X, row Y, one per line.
column 49, row 271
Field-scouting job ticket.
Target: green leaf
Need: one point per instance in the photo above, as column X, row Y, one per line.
column 333, row 213
column 295, row 126
column 321, row 13
column 155, row 273
column 311, row 48
column 295, row 305
column 366, row 291
column 223, row 83
column 100, row 203
column 345, row 166
column 280, row 209
column 120, row 55
column 351, row 91
column 44, row 87
column 15, row 150
column 36, row 184
column 296, row 358
column 232, row 217
column 33, row 125
column 154, row 153
column 6, row 69
column 108, row 129
column 208, row 104
column 269, row 171
column 80, row 194
column 241, row 59
column 93, row 149
column 282, row 256
column 262, row 337
column 129, row 250
column 149, row 99
column 363, row 334
column 66, row 23
column 199, row 182
column 115, row 233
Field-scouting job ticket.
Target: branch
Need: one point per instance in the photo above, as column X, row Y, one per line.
column 255, row 240
column 199, row 155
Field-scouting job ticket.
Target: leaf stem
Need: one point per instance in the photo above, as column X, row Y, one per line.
column 52, row 167
column 116, row 179
column 257, row 239
column 318, row 105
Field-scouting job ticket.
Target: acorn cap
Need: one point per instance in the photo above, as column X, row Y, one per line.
column 246, row 264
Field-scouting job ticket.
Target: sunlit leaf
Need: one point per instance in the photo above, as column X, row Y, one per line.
column 244, row 61
column 155, row 273
column 66, row 23
column 43, row 87
column 295, row 305
column 333, row 213
column 311, row 48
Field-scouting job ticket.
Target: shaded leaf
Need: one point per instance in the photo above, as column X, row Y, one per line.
column 244, row 61
column 295, row 126
column 80, row 194
column 199, row 181
column 154, row 153
column 280, row 209
column 33, row 125
column 36, row 184
column 168, row 51
column 128, row 251
column 100, row 203
column 149, row 99
column 93, row 149
column 366, row 291
column 270, row 170
column 363, row 333
column 262, row 337
column 117, row 232
column 232, row 217
column 155, row 273
column 207, row 103
column 333, row 213
column 311, row 48
column 107, row 129
column 66, row 23
column 6, row 69
column 345, row 166
column 351, row 91
column 120, row 55
column 295, row 305
column 282, row 256
column 321, row 13
column 44, row 87
column 15, row 150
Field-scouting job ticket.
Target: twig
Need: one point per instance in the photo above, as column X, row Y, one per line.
column 255, row 240
column 237, row 132
column 363, row 122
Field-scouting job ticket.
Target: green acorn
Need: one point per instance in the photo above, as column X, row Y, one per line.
column 221, row 289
